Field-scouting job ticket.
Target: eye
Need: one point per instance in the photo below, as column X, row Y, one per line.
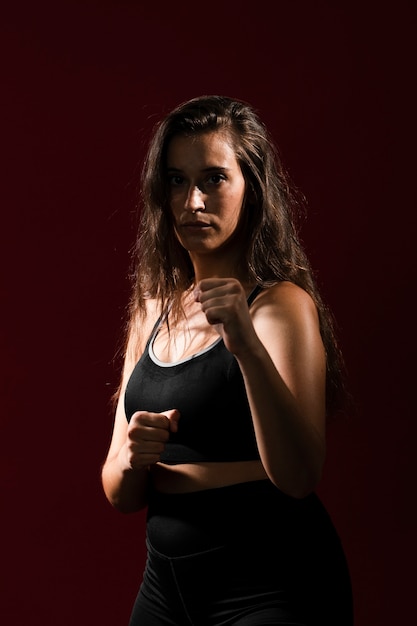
column 175, row 180
column 216, row 179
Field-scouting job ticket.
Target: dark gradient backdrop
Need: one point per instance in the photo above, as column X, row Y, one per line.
column 82, row 85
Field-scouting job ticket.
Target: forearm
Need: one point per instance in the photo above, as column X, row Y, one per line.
column 125, row 488
column 292, row 449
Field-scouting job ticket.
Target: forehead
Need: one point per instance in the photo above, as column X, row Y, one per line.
column 209, row 149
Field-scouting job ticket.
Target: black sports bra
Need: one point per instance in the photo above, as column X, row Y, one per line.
column 208, row 390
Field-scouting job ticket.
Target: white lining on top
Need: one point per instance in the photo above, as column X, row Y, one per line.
column 155, row 359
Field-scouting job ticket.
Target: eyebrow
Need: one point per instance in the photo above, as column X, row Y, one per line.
column 206, row 170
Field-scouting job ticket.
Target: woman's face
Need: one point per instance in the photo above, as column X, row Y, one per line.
column 206, row 190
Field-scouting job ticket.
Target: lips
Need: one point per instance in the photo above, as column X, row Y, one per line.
column 195, row 224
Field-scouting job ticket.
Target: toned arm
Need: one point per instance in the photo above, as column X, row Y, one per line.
column 125, row 486
column 284, row 369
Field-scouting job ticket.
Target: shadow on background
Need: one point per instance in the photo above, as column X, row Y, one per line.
column 83, row 84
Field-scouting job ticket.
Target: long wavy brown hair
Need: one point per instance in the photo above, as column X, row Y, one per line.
column 271, row 247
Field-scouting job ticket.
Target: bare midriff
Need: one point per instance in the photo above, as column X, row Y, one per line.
column 189, row 477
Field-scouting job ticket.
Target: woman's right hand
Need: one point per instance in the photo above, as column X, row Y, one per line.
column 147, row 435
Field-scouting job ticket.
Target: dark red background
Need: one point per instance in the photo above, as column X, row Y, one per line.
column 82, row 84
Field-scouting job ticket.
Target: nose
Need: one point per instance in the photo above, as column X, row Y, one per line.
column 195, row 200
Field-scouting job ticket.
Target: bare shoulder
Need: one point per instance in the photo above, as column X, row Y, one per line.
column 284, row 300
column 286, row 321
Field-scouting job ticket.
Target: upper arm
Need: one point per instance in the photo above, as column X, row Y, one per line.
column 286, row 321
column 135, row 346
column 120, row 425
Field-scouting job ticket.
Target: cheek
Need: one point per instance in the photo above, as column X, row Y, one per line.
column 174, row 207
column 235, row 204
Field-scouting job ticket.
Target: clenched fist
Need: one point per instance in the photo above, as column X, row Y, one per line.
column 146, row 436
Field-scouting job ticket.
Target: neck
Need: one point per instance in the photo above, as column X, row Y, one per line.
column 206, row 266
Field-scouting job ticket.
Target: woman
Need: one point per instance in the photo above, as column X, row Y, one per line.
column 231, row 370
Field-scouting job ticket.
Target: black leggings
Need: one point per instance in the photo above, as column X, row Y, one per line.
column 244, row 555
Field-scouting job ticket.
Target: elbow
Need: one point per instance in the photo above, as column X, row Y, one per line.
column 129, row 508
column 123, row 502
column 127, row 491
column 298, row 490
column 309, row 482
column 300, row 481
column 301, row 490
column 126, row 506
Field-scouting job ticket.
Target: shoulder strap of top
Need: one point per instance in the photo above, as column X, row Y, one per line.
column 253, row 294
column 155, row 329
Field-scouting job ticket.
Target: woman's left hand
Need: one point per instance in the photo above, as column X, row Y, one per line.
column 224, row 302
